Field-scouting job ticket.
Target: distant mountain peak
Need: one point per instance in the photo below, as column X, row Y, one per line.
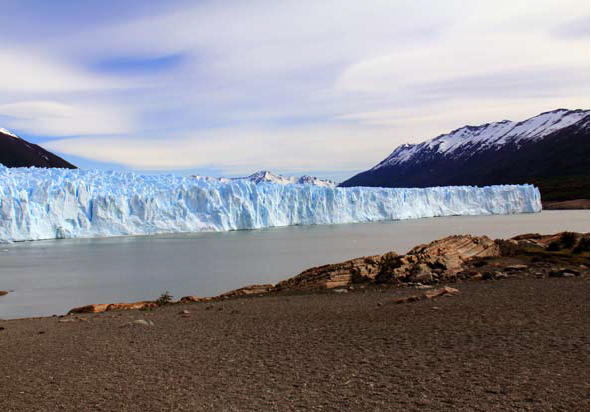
column 265, row 176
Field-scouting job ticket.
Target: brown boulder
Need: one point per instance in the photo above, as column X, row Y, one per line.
column 446, row 255
column 132, row 306
column 3, row 292
column 186, row 299
column 248, row 290
column 422, row 277
column 96, row 308
column 335, row 275
column 446, row 290
column 104, row 307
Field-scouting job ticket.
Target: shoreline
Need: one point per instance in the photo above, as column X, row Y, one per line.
column 422, row 266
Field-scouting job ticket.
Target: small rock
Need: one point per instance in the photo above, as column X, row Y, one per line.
column 487, row 276
column 66, row 320
column 422, row 277
column 340, row 290
column 419, row 286
column 477, row 276
column 499, row 275
column 2, row 328
column 184, row 312
column 572, row 271
column 539, row 275
column 516, row 267
column 560, row 273
column 142, row 322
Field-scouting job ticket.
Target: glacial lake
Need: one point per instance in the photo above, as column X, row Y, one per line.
column 51, row 277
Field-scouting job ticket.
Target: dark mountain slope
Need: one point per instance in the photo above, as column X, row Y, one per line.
column 17, row 152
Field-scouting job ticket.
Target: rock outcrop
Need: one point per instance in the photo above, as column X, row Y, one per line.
column 440, row 259
column 335, row 275
column 104, row 307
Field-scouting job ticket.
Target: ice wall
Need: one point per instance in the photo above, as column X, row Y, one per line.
column 59, row 203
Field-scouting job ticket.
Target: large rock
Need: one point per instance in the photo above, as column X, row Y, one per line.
column 248, row 290
column 445, row 256
column 335, row 275
column 104, row 307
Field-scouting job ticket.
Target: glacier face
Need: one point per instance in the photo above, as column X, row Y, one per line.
column 40, row 203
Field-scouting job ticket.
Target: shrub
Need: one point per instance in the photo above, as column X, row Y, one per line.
column 164, row 299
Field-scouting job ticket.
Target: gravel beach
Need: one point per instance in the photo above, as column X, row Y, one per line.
column 507, row 345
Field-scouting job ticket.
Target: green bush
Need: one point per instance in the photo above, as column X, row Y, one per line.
column 164, row 299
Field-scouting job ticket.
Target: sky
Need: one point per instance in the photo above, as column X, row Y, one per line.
column 329, row 88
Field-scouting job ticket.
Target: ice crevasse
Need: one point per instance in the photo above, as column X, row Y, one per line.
column 38, row 203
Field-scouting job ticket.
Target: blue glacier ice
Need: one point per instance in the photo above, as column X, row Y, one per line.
column 38, row 203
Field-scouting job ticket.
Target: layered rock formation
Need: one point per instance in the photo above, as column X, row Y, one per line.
column 104, row 307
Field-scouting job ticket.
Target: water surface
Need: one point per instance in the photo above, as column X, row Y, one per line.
column 50, row 277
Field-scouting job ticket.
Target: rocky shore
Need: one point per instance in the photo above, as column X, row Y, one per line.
column 451, row 259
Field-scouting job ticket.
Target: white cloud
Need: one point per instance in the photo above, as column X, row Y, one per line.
column 461, row 57
column 58, row 119
column 31, row 71
column 238, row 151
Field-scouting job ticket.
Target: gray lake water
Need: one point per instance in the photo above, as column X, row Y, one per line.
column 50, row 277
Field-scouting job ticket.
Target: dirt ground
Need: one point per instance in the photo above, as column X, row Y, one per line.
column 508, row 345
column 566, row 204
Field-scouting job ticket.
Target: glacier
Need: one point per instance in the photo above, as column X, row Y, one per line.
column 38, row 203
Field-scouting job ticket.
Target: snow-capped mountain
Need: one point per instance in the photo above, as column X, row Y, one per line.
column 264, row 176
column 17, row 152
column 545, row 149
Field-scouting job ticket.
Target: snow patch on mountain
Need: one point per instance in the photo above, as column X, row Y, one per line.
column 2, row 130
column 37, row 203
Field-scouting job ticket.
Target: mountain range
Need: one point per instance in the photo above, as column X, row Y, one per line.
column 264, row 176
column 550, row 150
column 17, row 152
